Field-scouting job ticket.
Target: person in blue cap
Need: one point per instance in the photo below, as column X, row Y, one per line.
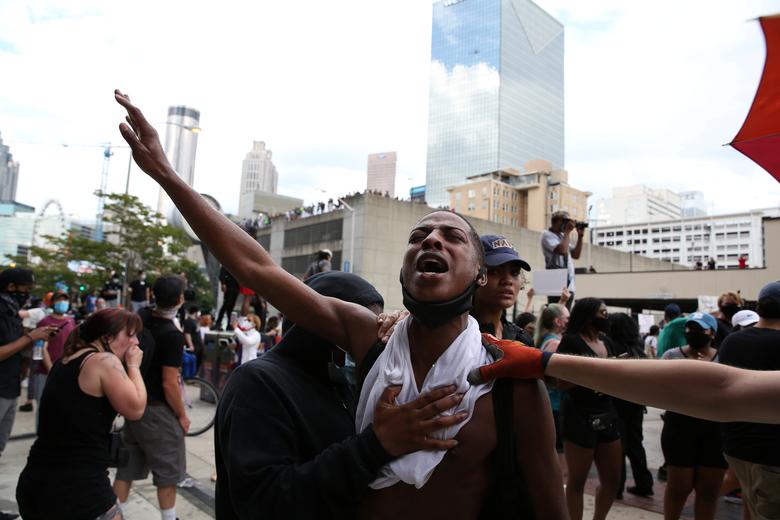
column 691, row 446
column 504, row 282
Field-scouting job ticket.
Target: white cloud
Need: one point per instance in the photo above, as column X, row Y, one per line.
column 652, row 91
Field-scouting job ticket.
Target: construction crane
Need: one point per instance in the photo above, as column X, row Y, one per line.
column 107, row 153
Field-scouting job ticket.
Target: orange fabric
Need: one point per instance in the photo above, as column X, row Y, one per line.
column 759, row 137
column 519, row 361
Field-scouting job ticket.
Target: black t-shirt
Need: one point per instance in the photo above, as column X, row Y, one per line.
column 587, row 400
column 139, row 288
column 510, row 332
column 10, row 330
column 756, row 349
column 168, row 352
column 190, row 327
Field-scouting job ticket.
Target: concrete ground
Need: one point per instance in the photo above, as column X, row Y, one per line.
column 197, row 502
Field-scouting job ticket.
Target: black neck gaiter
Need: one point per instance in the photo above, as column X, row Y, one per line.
column 435, row 314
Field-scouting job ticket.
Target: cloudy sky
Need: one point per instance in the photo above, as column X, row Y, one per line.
column 653, row 91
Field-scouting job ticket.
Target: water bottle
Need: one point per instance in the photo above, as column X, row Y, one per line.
column 37, row 353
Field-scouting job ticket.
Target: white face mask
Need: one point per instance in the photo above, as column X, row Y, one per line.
column 245, row 324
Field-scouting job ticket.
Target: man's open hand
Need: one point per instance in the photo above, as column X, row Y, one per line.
column 405, row 428
column 148, row 153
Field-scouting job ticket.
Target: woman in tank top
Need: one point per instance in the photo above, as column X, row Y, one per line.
column 66, row 475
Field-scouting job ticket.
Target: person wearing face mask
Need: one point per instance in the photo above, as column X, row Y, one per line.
column 156, row 440
column 692, row 446
column 99, row 375
column 111, row 290
column 55, row 345
column 15, row 286
column 729, row 303
column 589, row 421
column 247, row 336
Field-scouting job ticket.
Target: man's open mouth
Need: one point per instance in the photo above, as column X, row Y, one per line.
column 431, row 263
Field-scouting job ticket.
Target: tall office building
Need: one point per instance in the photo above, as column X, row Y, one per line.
column 381, row 173
column 181, row 143
column 496, row 91
column 9, row 173
column 258, row 172
column 632, row 204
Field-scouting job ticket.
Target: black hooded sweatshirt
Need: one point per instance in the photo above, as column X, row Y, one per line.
column 285, row 437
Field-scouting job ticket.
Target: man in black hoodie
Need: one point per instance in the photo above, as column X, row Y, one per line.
column 285, row 436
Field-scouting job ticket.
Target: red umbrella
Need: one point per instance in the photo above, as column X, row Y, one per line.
column 759, row 137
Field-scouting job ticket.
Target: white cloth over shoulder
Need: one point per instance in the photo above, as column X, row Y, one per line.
column 394, row 367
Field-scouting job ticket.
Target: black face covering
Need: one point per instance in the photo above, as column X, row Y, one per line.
column 20, row 297
column 697, row 339
column 435, row 314
column 601, row 324
column 729, row 310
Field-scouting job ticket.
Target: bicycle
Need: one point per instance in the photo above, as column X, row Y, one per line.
column 200, row 399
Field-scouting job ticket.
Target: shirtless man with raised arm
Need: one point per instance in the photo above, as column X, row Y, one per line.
column 441, row 268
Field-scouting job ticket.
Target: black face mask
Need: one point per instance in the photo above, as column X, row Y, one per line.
column 601, row 324
column 697, row 339
column 729, row 310
column 435, row 314
column 20, row 297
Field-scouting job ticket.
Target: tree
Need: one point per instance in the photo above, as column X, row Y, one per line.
column 136, row 238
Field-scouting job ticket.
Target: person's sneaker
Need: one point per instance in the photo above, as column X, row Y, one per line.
column 734, row 497
column 634, row 490
column 26, row 407
column 662, row 473
column 186, row 483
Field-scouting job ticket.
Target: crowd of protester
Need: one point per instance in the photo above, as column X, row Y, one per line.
column 338, row 410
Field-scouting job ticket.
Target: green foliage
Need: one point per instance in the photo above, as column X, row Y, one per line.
column 136, row 238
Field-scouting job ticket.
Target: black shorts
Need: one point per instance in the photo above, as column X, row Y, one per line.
column 578, row 425
column 688, row 445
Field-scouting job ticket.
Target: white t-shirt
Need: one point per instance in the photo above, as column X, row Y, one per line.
column 651, row 342
column 554, row 260
column 249, row 341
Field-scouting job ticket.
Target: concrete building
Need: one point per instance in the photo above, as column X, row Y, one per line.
column 641, row 291
column 690, row 240
column 693, row 204
column 9, row 173
column 181, row 144
column 517, row 199
column 633, row 204
column 381, row 235
column 253, row 203
column 496, row 91
column 258, row 172
column 380, row 173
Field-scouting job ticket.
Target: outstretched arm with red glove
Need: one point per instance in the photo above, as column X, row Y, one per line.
column 742, row 395
column 513, row 360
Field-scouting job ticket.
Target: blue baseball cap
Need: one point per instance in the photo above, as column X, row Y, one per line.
column 703, row 320
column 499, row 251
column 771, row 291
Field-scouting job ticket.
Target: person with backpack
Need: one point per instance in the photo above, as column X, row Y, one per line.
column 321, row 265
column 156, row 440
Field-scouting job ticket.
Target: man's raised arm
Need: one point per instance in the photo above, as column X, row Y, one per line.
column 345, row 324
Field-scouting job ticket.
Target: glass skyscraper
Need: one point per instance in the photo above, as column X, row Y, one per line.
column 496, row 91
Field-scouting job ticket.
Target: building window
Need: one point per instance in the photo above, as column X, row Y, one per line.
column 472, row 194
column 457, row 195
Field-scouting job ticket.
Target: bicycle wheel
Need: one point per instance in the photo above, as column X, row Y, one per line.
column 200, row 401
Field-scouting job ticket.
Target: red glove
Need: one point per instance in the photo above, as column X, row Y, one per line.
column 513, row 360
